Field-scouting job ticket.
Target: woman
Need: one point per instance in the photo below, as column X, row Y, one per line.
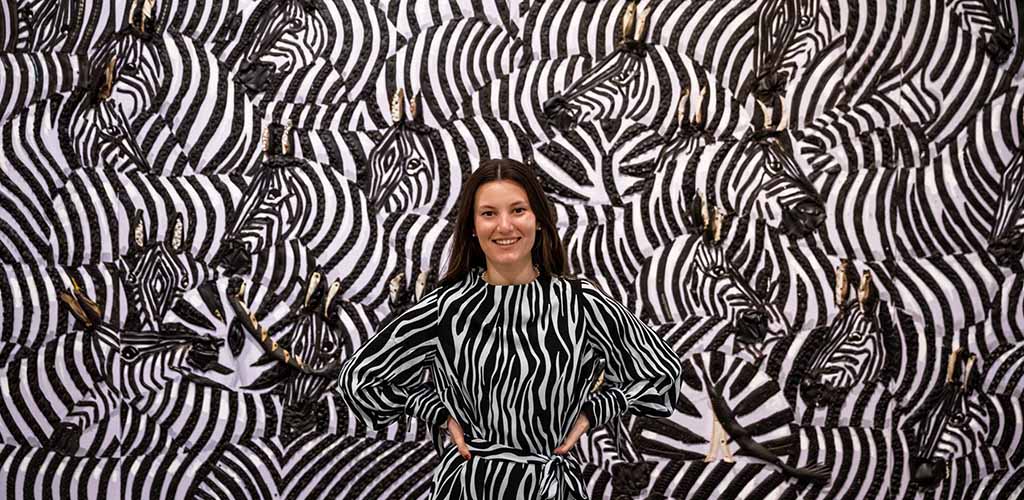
column 514, row 348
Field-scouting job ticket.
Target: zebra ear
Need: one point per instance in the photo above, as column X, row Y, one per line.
column 842, row 284
column 177, row 236
column 414, row 108
column 627, row 21
column 398, row 106
column 138, row 234
column 683, row 110
column 331, row 293
column 311, row 288
column 951, row 365
column 640, row 33
column 867, row 295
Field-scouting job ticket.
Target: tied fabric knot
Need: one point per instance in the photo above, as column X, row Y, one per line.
column 560, row 478
column 554, row 477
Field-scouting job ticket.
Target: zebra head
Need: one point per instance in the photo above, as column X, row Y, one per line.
column 718, row 289
column 994, row 21
column 611, row 86
column 853, row 349
column 786, row 35
column 156, row 273
column 403, row 166
column 124, row 79
column 951, row 423
column 272, row 208
column 280, row 36
column 689, row 134
column 44, row 24
column 783, row 194
column 312, row 343
column 1006, row 242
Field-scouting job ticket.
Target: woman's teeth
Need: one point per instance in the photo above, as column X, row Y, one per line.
column 506, row 243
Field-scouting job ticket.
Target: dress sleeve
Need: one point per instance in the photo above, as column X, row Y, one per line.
column 642, row 372
column 382, row 379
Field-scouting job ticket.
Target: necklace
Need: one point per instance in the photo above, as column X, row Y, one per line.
column 535, row 276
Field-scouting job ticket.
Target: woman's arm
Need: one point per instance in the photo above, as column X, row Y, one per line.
column 382, row 379
column 642, row 373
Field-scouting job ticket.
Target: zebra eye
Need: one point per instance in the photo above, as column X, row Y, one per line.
column 129, row 69
column 958, row 418
column 327, row 347
column 718, row 271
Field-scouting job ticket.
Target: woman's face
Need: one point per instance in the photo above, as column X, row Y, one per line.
column 504, row 224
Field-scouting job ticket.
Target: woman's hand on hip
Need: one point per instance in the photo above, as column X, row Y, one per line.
column 581, row 426
column 455, row 431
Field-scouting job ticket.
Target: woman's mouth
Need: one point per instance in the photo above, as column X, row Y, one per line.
column 506, row 242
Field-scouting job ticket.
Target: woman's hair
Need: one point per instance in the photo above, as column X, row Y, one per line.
column 548, row 252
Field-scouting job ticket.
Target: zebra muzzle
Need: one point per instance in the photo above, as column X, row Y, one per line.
column 1008, row 250
column 558, row 112
column 255, row 76
column 928, row 473
column 803, row 218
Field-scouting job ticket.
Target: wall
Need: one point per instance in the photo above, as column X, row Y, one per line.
column 818, row 204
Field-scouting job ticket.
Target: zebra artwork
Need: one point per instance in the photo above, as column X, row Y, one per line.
column 207, row 207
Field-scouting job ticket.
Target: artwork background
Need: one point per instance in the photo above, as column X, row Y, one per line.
column 902, row 118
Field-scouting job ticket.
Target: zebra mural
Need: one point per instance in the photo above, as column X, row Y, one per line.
column 815, row 203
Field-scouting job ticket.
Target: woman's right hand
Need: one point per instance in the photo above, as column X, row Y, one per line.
column 455, row 431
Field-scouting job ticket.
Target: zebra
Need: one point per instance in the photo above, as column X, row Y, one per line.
column 411, row 167
column 991, row 21
column 694, row 275
column 953, row 437
column 134, row 292
column 432, row 65
column 86, row 387
column 788, row 33
column 156, row 274
column 641, row 81
column 310, row 51
column 690, row 434
column 289, row 198
column 857, row 348
column 229, row 310
column 1006, row 241
column 308, row 351
column 62, row 26
column 760, row 175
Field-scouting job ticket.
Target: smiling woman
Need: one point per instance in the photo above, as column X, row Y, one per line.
column 514, row 348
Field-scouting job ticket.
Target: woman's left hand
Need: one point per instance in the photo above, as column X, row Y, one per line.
column 581, row 426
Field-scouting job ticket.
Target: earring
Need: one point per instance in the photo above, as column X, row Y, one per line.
column 474, row 235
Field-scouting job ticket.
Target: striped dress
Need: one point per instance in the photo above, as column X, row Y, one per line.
column 515, row 365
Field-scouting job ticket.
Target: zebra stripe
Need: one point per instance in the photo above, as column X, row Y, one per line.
column 519, row 96
column 50, row 74
column 412, row 17
column 643, row 83
column 327, row 465
column 93, row 212
column 313, row 52
column 430, row 65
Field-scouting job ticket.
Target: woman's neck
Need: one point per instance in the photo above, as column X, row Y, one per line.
column 519, row 275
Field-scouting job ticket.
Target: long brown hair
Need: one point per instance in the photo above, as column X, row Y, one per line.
column 548, row 252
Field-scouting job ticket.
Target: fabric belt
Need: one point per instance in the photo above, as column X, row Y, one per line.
column 561, row 476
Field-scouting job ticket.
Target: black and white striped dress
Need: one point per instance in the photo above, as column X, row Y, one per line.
column 514, row 365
